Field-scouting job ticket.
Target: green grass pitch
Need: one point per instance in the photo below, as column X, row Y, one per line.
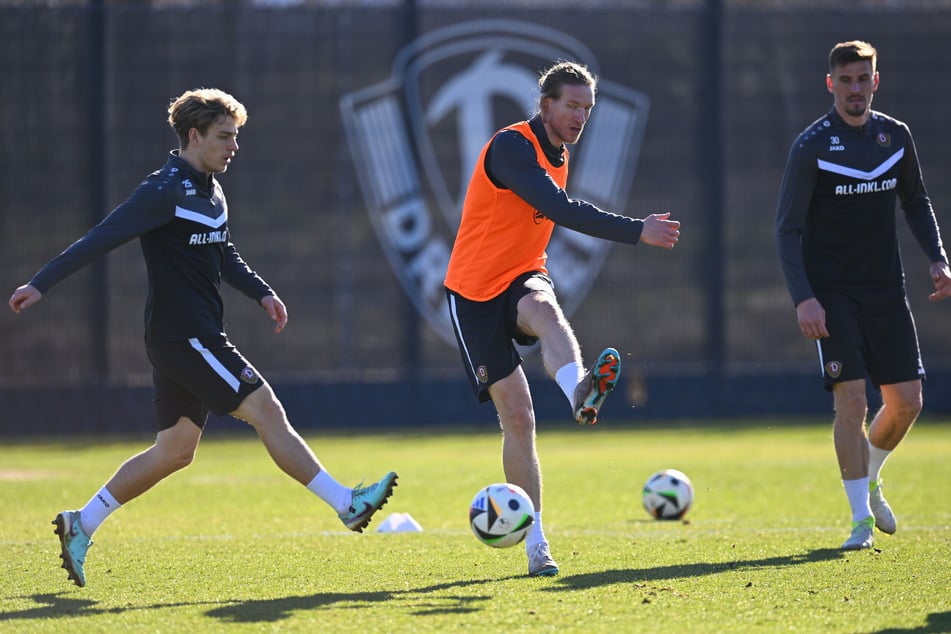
column 231, row 544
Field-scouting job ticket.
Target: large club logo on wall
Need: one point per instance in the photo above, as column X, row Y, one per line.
column 415, row 138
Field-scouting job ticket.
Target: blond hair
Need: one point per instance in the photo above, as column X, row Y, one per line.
column 200, row 108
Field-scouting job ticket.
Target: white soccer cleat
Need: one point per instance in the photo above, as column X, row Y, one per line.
column 884, row 518
column 861, row 537
column 540, row 563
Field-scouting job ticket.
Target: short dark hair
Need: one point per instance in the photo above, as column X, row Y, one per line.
column 200, row 108
column 854, row 51
column 564, row 73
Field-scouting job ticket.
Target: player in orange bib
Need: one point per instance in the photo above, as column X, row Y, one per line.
column 498, row 286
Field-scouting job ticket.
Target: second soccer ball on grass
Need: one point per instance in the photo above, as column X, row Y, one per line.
column 668, row 494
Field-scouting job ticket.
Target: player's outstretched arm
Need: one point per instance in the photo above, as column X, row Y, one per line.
column 24, row 297
column 941, row 276
column 660, row 231
column 276, row 310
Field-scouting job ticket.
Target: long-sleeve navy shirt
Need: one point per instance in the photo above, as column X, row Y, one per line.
column 835, row 223
column 181, row 219
column 511, row 163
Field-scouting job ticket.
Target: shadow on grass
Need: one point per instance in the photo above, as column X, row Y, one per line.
column 60, row 605
column 272, row 610
column 419, row 601
column 937, row 623
column 434, row 599
column 55, row 605
column 658, row 573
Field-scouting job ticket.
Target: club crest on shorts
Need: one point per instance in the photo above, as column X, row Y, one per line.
column 833, row 369
column 249, row 375
column 415, row 137
column 482, row 374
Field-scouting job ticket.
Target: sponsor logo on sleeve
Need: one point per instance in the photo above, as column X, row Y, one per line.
column 249, row 375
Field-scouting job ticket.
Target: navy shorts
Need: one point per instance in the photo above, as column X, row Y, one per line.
column 198, row 376
column 871, row 335
column 487, row 331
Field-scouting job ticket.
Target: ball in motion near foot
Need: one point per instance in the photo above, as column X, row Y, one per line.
column 501, row 514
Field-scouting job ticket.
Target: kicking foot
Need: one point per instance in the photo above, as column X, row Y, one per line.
column 595, row 386
column 367, row 501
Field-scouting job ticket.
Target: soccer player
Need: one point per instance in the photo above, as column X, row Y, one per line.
column 180, row 215
column 837, row 239
column 498, row 287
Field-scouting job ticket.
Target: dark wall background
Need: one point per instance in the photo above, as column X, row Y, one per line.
column 707, row 330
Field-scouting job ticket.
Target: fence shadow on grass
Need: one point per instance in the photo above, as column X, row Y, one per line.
column 660, row 573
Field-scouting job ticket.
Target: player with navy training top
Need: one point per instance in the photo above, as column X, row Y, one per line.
column 180, row 216
column 837, row 239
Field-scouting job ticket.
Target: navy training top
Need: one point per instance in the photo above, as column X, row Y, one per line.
column 835, row 222
column 180, row 216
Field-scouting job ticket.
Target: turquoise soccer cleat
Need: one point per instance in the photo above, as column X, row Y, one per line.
column 74, row 543
column 366, row 501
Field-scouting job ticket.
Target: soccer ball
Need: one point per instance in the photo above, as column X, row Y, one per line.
column 668, row 494
column 501, row 514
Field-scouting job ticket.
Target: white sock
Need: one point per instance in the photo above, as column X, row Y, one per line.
column 97, row 509
column 876, row 458
column 568, row 378
column 330, row 491
column 857, row 492
column 535, row 534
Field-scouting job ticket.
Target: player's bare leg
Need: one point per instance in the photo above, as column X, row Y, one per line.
column 513, row 401
column 287, row 449
column 174, row 449
column 851, row 444
column 539, row 316
column 851, row 447
column 901, row 407
column 355, row 507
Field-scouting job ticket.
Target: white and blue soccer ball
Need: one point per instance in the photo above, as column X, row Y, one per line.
column 668, row 494
column 501, row 514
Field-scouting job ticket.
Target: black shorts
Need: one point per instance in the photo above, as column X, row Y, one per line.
column 871, row 335
column 485, row 331
column 198, row 376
